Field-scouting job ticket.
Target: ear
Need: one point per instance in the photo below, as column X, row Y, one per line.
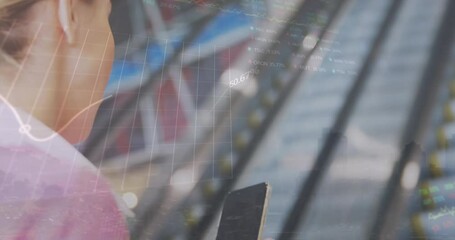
column 67, row 20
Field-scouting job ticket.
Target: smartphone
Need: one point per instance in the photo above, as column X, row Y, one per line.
column 244, row 213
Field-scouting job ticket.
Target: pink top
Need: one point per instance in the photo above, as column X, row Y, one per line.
column 48, row 190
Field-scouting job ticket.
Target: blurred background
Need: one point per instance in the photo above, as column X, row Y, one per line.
column 345, row 107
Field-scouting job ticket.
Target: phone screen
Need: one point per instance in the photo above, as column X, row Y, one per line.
column 244, row 213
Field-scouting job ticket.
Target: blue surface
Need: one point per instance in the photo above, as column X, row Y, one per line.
column 226, row 22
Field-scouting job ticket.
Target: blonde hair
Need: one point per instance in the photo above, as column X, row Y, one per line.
column 11, row 12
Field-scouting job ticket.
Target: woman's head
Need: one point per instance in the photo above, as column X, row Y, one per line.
column 56, row 57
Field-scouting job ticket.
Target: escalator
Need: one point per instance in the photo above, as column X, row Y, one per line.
column 344, row 107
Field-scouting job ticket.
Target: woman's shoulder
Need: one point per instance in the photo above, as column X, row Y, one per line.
column 28, row 172
column 55, row 194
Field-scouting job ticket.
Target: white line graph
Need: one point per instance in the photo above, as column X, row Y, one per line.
column 26, row 129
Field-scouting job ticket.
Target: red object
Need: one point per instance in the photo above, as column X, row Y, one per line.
column 172, row 119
